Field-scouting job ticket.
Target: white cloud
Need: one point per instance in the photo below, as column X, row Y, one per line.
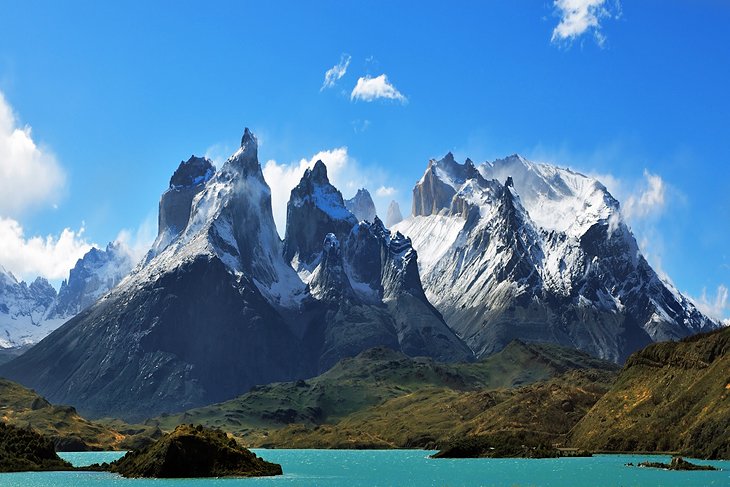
column 369, row 89
column 342, row 170
column 336, row 72
column 385, row 191
column 139, row 241
column 649, row 200
column 51, row 256
column 580, row 16
column 714, row 306
column 29, row 175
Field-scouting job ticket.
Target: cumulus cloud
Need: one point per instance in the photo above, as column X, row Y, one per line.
column 336, row 72
column 715, row 306
column 369, row 89
column 580, row 16
column 29, row 175
column 385, row 191
column 342, row 170
column 51, row 256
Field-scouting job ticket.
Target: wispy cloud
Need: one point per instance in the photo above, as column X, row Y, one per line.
column 580, row 16
column 385, row 191
column 369, row 89
column 715, row 306
column 336, row 72
column 29, row 175
column 649, row 200
column 51, row 256
column 138, row 241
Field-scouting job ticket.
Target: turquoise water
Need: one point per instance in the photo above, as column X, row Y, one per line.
column 350, row 468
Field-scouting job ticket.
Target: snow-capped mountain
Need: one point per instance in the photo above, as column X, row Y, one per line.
column 30, row 312
column 221, row 304
column 361, row 205
column 95, row 274
column 364, row 289
column 514, row 249
column 394, row 215
column 24, row 311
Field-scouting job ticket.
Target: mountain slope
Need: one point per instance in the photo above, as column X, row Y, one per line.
column 672, row 396
column 513, row 249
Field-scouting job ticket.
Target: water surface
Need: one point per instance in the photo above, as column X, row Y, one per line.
column 353, row 468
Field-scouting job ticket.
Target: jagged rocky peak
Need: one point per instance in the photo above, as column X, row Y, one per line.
column 443, row 179
column 544, row 255
column 187, row 181
column 193, row 172
column 315, row 209
column 329, row 280
column 246, row 159
column 362, row 206
column 394, row 215
column 95, row 274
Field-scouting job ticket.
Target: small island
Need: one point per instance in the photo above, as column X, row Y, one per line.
column 677, row 463
column 505, row 444
column 191, row 451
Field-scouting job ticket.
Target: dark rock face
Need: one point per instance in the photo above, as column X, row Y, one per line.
column 394, row 214
column 191, row 452
column 367, row 293
column 175, row 204
column 361, row 205
column 315, row 209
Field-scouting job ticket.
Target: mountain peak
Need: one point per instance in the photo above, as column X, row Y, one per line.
column 362, row 206
column 509, row 183
column 394, row 215
column 193, row 172
column 248, row 139
column 318, row 173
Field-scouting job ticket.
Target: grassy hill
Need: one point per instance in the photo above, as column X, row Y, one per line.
column 382, row 398
column 672, row 396
column 24, row 408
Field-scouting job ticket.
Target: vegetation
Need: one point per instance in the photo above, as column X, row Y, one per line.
column 67, row 430
column 192, row 451
column 671, row 396
column 22, row 450
column 383, row 399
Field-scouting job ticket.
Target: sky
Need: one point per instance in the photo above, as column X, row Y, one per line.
column 100, row 101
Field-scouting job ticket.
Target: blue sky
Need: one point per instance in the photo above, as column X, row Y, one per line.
column 117, row 94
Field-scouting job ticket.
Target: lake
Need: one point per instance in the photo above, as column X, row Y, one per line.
column 354, row 468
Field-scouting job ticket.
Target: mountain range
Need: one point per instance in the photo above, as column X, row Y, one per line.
column 505, row 250
column 30, row 312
